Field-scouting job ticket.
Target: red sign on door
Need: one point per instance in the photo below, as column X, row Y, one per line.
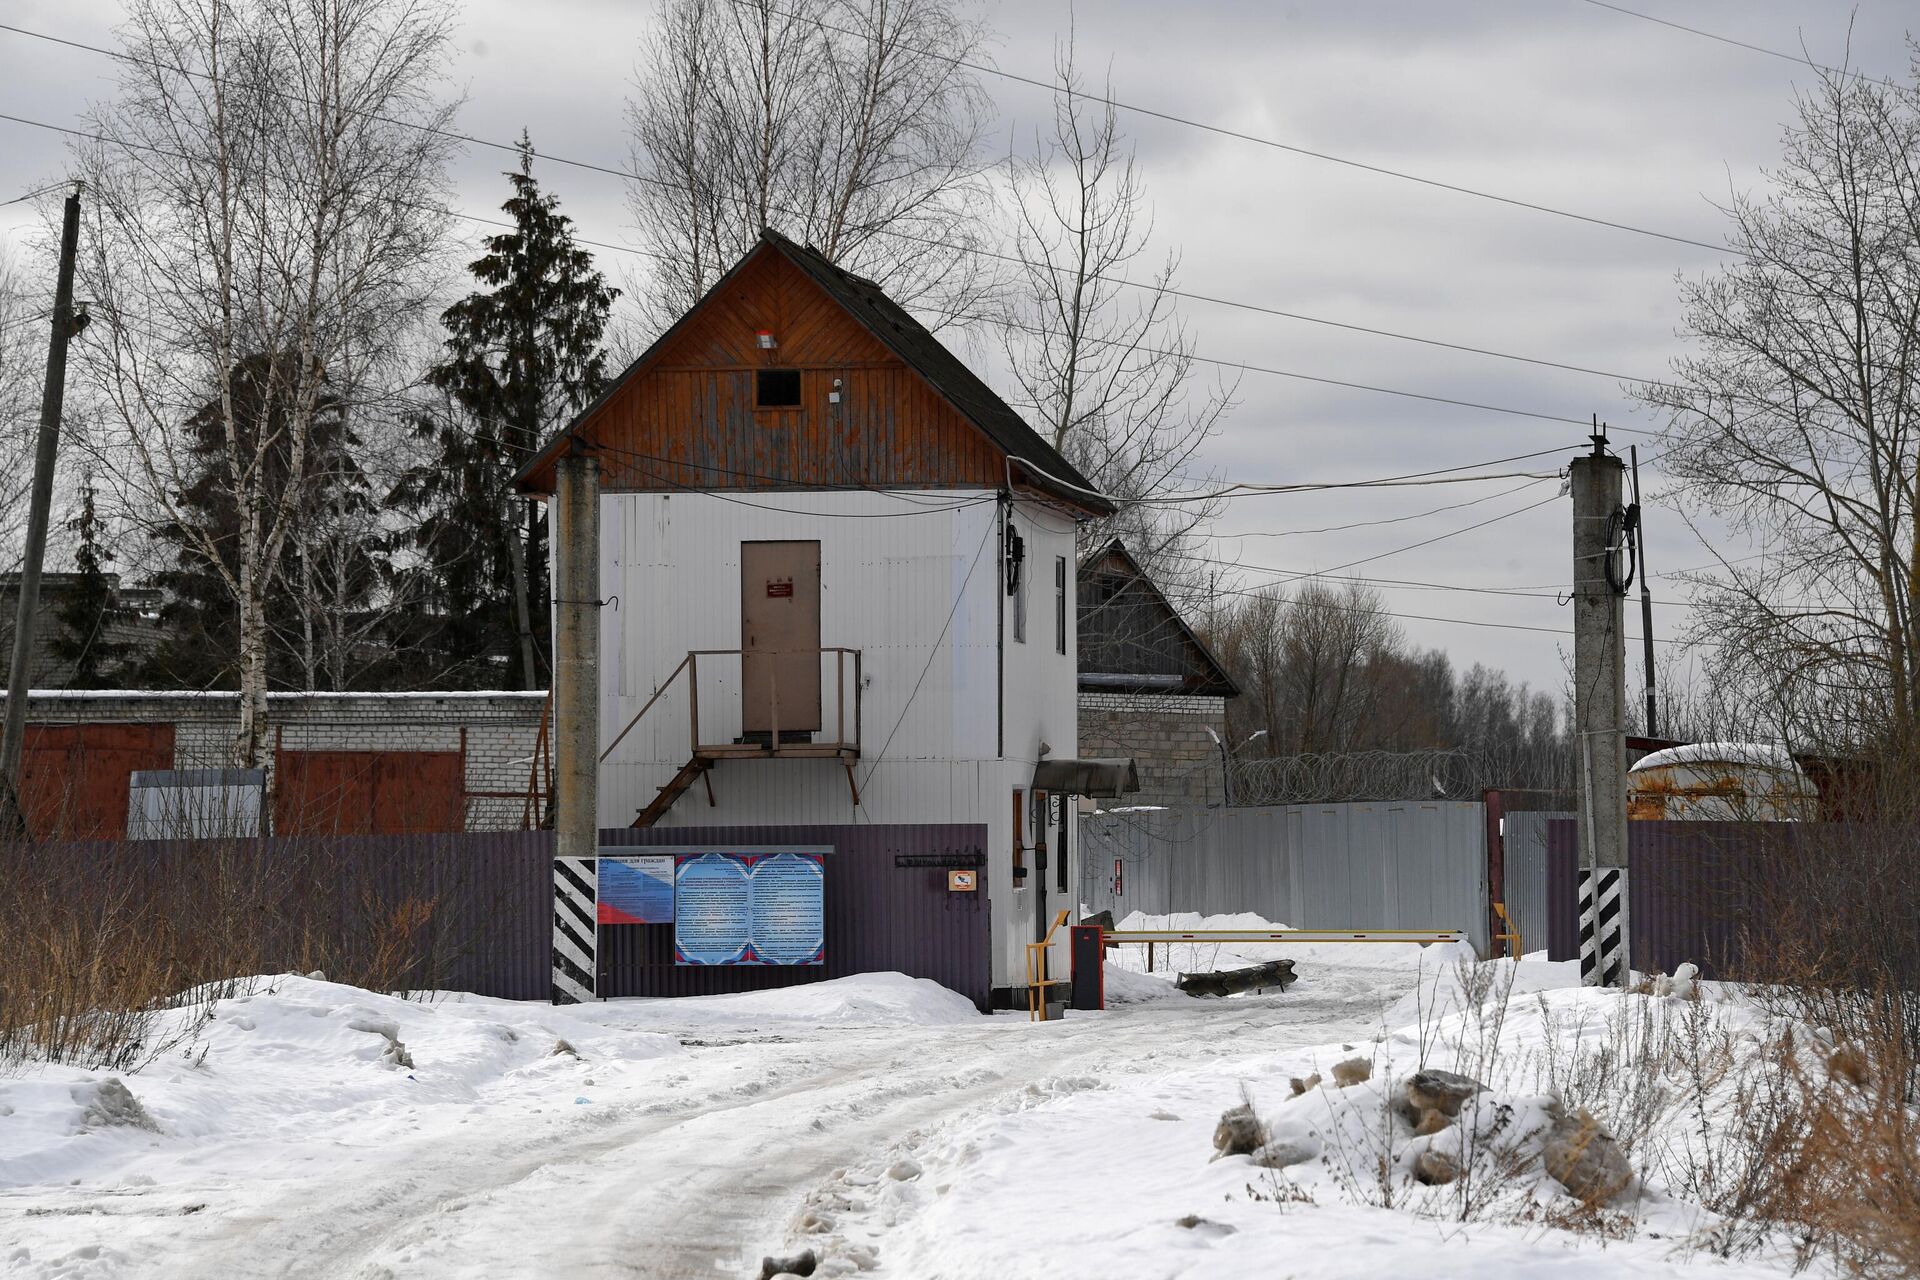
column 1116, row 877
column 780, row 590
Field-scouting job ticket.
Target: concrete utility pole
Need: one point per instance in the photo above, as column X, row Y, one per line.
column 13, row 820
column 576, row 655
column 1600, row 571
column 575, row 526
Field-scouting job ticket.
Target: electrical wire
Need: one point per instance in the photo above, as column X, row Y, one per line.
column 934, row 652
column 1338, row 606
column 1223, row 131
column 1365, row 524
column 909, row 237
column 1800, row 58
column 31, row 194
column 1242, row 366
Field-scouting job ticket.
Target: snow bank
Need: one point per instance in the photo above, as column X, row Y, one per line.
column 1125, row 987
column 292, row 1054
column 1335, row 1192
column 862, row 1000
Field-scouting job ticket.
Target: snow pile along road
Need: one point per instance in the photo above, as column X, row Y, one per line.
column 295, row 1057
column 1350, row 1173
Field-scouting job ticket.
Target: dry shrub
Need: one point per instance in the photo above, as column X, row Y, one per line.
column 101, row 937
column 1853, row 1185
column 1834, row 948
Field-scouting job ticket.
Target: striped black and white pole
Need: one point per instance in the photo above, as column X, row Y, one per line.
column 576, row 933
column 1603, row 926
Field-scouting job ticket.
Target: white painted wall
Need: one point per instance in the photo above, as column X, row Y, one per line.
column 915, row 581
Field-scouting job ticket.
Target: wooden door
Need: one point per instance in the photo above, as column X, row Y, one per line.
column 780, row 636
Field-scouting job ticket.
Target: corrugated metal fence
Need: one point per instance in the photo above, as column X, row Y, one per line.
column 1386, row 865
column 879, row 916
column 473, row 911
column 1691, row 888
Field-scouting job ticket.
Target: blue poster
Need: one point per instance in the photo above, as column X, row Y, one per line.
column 750, row 908
column 712, row 911
column 789, row 926
column 636, row 889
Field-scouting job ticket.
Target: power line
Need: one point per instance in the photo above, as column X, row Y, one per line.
column 1452, row 533
column 28, row 195
column 1341, row 607
column 1243, row 366
column 1223, row 131
column 1280, row 576
column 1800, row 58
column 909, row 237
column 1366, row 524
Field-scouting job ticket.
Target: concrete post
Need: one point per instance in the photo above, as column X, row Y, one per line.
column 576, row 655
column 1599, row 704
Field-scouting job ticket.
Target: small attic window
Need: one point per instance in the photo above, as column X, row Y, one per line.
column 776, row 388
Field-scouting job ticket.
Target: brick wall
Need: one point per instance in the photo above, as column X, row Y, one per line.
column 498, row 731
column 1166, row 734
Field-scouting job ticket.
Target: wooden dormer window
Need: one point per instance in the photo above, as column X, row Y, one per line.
column 776, row 388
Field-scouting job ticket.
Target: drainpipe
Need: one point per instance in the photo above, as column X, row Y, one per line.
column 576, row 654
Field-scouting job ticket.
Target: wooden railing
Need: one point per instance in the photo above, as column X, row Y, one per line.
column 840, row 744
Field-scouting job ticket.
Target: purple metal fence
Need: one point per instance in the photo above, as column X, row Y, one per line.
column 879, row 916
column 1691, row 889
column 489, row 930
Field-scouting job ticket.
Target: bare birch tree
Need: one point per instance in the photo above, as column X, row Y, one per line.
column 267, row 193
column 1797, row 418
column 850, row 125
column 21, row 332
column 1107, row 369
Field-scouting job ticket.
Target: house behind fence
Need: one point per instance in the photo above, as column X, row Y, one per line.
column 1150, row 688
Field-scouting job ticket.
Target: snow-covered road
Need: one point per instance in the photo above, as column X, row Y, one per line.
column 681, row 1141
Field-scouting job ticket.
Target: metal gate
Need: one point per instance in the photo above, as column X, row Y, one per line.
column 1366, row 865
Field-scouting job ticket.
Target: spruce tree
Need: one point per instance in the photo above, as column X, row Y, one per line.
column 523, row 355
column 88, row 611
column 200, row 619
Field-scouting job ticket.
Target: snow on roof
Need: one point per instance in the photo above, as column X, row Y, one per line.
column 1758, row 755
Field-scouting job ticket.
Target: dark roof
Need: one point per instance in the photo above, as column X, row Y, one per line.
column 914, row 344
column 1132, row 639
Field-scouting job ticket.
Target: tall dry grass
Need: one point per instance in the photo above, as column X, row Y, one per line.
column 99, row 940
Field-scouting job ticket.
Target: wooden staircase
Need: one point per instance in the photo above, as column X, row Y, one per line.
column 681, row 783
column 771, row 743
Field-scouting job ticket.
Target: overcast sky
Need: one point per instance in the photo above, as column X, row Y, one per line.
column 1556, row 102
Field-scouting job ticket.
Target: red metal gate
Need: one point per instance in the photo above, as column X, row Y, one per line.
column 368, row 792
column 74, row 777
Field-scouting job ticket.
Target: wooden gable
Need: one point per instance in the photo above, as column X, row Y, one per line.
column 684, row 417
column 1132, row 639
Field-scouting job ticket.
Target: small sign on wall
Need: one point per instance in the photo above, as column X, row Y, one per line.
column 963, row 881
column 780, row 590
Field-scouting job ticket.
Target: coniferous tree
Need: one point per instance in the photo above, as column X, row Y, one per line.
column 200, row 618
column 88, row 611
column 523, row 354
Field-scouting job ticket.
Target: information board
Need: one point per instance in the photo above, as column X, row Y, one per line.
column 636, row 889
column 749, row 908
